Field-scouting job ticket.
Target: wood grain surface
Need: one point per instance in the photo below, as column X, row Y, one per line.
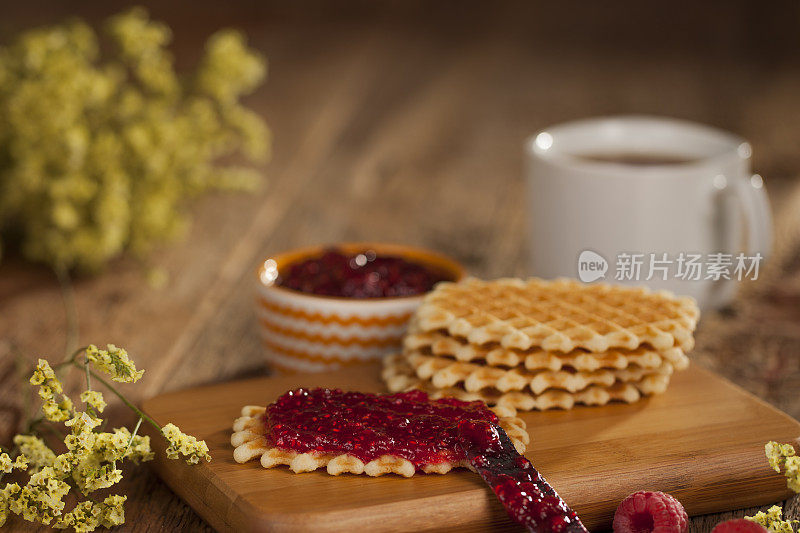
column 701, row 441
column 405, row 122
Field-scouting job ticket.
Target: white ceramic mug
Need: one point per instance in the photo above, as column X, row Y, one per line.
column 692, row 193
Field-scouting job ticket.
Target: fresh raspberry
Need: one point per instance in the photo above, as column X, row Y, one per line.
column 740, row 525
column 646, row 512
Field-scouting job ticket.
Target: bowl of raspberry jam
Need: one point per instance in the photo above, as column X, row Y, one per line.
column 331, row 306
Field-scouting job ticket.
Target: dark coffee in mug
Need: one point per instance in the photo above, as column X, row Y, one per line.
column 637, row 159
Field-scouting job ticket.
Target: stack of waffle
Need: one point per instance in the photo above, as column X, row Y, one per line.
column 535, row 344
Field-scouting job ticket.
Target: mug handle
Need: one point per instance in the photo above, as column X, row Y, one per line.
column 744, row 204
column 754, row 205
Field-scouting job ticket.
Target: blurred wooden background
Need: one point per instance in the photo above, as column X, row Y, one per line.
column 404, row 121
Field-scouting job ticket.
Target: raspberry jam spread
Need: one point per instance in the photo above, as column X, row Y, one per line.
column 528, row 498
column 425, row 432
column 367, row 426
column 361, row 275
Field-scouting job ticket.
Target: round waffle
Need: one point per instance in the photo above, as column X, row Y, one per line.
column 559, row 315
column 399, row 375
column 441, row 344
column 445, row 373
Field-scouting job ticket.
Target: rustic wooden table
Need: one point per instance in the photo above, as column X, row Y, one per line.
column 406, row 124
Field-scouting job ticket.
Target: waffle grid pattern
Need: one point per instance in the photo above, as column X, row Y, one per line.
column 561, row 315
column 535, row 344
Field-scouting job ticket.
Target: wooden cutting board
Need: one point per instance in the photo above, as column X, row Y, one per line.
column 702, row 441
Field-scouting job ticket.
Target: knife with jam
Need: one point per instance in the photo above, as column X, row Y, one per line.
column 527, row 496
column 423, row 431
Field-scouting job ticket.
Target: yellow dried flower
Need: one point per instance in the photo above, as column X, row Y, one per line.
column 139, row 450
column 49, row 387
column 225, row 80
column 41, row 499
column 141, row 44
column 85, row 516
column 773, row 520
column 35, row 452
column 114, row 362
column 185, row 445
column 94, row 398
column 91, row 475
column 65, row 463
column 88, row 515
column 102, row 156
column 57, row 411
column 81, row 439
column 3, row 509
column 90, row 462
column 44, row 374
column 6, row 494
column 118, row 445
column 82, row 423
column 112, row 446
column 783, row 457
column 113, row 510
column 7, row 465
column 792, row 472
column 776, row 453
column 20, row 463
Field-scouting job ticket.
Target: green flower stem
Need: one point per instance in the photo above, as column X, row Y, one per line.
column 88, row 385
column 133, row 436
column 127, row 402
column 70, row 360
column 36, row 423
column 70, row 309
column 88, row 376
column 55, row 432
column 33, row 423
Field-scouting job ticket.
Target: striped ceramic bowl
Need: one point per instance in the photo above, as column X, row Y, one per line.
column 310, row 333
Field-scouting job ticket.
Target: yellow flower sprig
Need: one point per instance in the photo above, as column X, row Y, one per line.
column 90, row 457
column 783, row 457
column 181, row 444
column 114, row 362
column 56, row 406
column 7, row 464
column 773, row 520
column 101, row 147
